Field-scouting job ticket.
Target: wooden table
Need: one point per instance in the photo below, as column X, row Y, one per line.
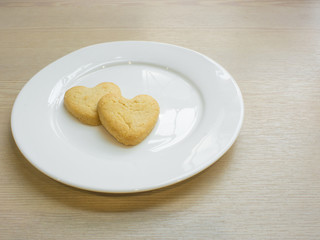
column 267, row 186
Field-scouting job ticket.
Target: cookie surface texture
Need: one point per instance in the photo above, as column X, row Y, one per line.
column 129, row 120
column 82, row 102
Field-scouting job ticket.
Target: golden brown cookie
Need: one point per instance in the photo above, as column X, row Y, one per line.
column 82, row 102
column 129, row 120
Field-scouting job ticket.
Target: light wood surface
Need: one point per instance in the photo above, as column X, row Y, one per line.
column 267, row 186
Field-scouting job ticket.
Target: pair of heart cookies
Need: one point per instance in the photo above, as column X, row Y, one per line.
column 129, row 120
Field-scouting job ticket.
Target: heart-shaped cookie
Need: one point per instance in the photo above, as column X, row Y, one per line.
column 82, row 102
column 129, row 120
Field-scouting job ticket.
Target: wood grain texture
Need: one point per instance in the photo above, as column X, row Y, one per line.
column 267, row 186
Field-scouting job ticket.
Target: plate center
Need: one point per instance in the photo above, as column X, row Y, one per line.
column 180, row 108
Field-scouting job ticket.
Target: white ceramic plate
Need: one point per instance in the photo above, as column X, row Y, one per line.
column 201, row 113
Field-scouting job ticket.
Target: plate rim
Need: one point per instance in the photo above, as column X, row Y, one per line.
column 173, row 181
